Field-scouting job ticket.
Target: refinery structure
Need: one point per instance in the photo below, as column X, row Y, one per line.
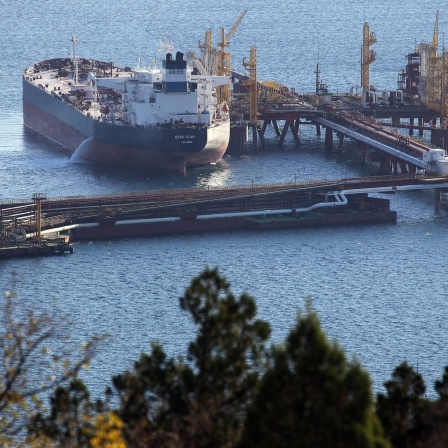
column 421, row 85
column 424, row 79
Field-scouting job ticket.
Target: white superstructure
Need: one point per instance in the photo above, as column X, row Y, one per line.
column 158, row 95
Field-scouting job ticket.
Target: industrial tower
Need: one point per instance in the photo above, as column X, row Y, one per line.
column 223, row 61
column 367, row 56
column 251, row 66
column 253, row 98
column 444, row 92
column 434, row 71
column 208, row 53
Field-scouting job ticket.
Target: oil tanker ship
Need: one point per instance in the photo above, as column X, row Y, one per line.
column 162, row 116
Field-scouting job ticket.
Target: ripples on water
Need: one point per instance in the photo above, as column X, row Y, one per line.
column 379, row 290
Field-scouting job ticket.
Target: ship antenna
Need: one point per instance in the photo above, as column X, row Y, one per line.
column 317, row 71
column 75, row 58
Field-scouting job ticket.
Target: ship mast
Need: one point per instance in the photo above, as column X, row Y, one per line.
column 75, row 58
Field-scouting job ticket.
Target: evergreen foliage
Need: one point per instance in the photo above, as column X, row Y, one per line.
column 435, row 417
column 200, row 402
column 227, row 391
column 70, row 421
column 441, row 386
column 312, row 397
column 402, row 407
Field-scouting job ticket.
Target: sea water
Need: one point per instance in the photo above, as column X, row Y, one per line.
column 379, row 290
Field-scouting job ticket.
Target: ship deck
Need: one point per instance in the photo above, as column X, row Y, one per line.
column 56, row 77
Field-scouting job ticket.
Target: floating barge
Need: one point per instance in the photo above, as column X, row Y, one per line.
column 56, row 246
column 262, row 222
column 367, row 211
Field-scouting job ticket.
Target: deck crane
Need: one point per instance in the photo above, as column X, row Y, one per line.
column 198, row 63
column 208, row 53
column 435, row 36
column 223, row 62
column 434, row 71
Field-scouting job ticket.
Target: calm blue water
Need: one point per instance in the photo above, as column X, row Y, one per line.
column 381, row 291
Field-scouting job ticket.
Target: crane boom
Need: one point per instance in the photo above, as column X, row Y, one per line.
column 223, row 63
column 197, row 63
column 435, row 37
column 434, row 73
column 235, row 26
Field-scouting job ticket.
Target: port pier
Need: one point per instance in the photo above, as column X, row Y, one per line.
column 273, row 206
column 395, row 152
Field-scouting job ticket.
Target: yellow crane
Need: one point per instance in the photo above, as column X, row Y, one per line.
column 251, row 66
column 253, row 98
column 434, row 70
column 367, row 56
column 208, row 53
column 444, row 92
column 223, row 62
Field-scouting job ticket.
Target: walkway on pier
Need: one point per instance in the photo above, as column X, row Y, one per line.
column 389, row 149
column 205, row 204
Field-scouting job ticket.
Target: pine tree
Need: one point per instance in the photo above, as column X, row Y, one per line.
column 312, row 396
column 70, row 420
column 435, row 418
column 441, row 386
column 402, row 408
column 200, row 402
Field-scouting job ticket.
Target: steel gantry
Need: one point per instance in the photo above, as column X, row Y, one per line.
column 223, row 61
column 251, row 66
column 434, row 71
column 208, row 53
column 367, row 56
column 444, row 92
column 252, row 84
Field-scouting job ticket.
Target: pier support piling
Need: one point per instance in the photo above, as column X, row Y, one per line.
column 328, row 139
column 395, row 166
column 296, row 125
column 254, row 136
column 341, row 138
column 395, row 121
column 363, row 153
column 265, row 125
column 385, row 167
column 295, row 132
column 438, row 198
column 239, row 136
column 284, row 131
column 262, row 139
